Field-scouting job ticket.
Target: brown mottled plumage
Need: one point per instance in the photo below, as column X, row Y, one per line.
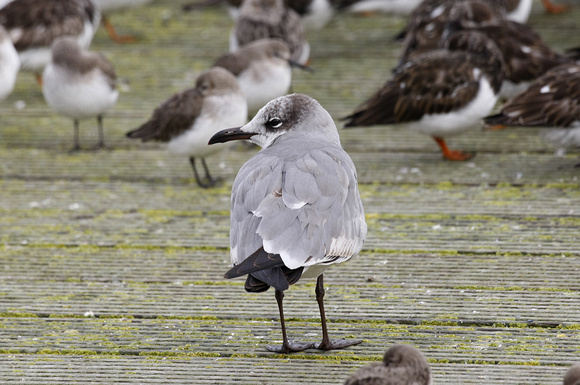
column 440, row 83
column 553, row 100
column 525, row 54
column 34, row 25
column 189, row 118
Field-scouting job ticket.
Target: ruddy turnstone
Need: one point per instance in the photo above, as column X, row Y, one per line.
column 439, row 93
column 33, row 25
column 188, row 119
column 79, row 84
column 551, row 101
column 526, row 55
column 295, row 207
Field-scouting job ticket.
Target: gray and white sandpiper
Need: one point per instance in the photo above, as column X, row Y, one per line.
column 440, row 93
column 552, row 101
column 260, row 19
column 188, row 119
column 572, row 376
column 9, row 64
column 79, row 84
column 33, row 25
column 107, row 7
column 263, row 68
column 401, row 365
column 295, row 206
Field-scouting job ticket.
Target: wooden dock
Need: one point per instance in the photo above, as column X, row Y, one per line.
column 112, row 261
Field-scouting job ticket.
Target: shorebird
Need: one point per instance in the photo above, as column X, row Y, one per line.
column 110, row 6
column 401, row 365
column 572, row 376
column 553, row 102
column 261, row 19
column 525, row 54
column 188, row 119
column 439, row 93
column 295, row 207
column 9, row 64
column 263, row 68
column 315, row 14
column 33, row 25
column 79, row 84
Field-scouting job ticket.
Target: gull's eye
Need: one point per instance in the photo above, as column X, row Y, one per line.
column 274, row 123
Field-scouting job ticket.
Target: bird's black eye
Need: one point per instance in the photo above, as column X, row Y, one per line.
column 274, row 123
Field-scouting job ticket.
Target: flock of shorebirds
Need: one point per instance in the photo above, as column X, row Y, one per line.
column 295, row 207
column 459, row 59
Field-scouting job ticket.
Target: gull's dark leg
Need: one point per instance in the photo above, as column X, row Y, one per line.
column 212, row 181
column 287, row 346
column 327, row 343
column 101, row 143
column 76, row 146
column 197, row 178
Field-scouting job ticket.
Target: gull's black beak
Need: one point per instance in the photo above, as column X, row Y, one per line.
column 230, row 134
column 294, row 63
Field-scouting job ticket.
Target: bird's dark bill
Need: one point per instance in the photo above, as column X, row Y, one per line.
column 295, row 64
column 230, row 134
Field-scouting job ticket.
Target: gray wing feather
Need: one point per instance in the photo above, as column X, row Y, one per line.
column 304, row 209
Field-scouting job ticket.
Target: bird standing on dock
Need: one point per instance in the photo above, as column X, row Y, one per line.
column 79, row 84
column 401, row 365
column 439, row 93
column 295, row 206
column 188, row 119
column 553, row 102
column 263, row 68
column 9, row 64
column 109, row 6
column 33, row 25
column 260, row 19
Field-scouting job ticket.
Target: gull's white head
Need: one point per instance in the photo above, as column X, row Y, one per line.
column 284, row 118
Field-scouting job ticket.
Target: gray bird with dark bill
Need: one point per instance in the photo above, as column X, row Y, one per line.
column 295, row 206
column 401, row 365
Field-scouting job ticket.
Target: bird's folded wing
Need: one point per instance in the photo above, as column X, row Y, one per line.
column 311, row 211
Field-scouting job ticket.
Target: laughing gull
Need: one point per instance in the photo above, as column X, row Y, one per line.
column 260, row 19
column 401, row 365
column 109, row 6
column 295, row 207
column 572, row 376
column 188, row 119
column 553, row 102
column 79, row 84
column 33, row 25
column 9, row 64
column 263, row 68
column 439, row 93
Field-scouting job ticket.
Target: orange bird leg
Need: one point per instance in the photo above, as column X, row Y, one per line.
column 452, row 154
column 38, row 78
column 552, row 8
column 113, row 34
column 496, row 127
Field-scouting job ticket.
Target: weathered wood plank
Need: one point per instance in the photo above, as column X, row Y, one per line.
column 473, row 263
